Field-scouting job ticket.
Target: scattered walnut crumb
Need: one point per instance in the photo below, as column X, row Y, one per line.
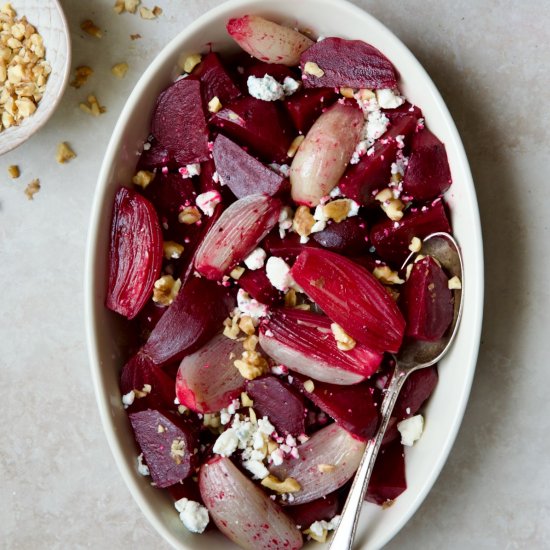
column 245, row 400
column 309, row 386
column 251, row 342
column 166, row 289
column 251, row 365
column 237, row 272
column 322, row 538
column 146, row 13
column 387, row 504
column 89, row 27
column 387, row 275
column 212, row 420
column 177, row 450
column 313, row 69
column 295, row 145
column 303, row 307
column 347, row 92
column 290, row 298
column 143, row 178
column 246, row 325
column 253, row 418
column 93, row 107
column 191, row 61
column 391, row 206
column 13, row 171
column 408, row 271
column 189, row 215
column 215, row 105
column 64, row 153
column 81, row 76
column 120, row 69
column 231, row 327
column 303, row 221
column 32, row 189
column 161, row 429
column 365, row 94
column 454, row 283
column 343, row 340
column 172, row 250
column 416, row 245
column 337, row 210
column 289, row 485
column 326, row 468
column 126, row 5
column 136, row 36
column 271, row 446
column 138, row 394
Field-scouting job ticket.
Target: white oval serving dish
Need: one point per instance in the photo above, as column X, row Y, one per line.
column 105, row 331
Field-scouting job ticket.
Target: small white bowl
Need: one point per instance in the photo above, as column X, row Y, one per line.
column 48, row 18
column 105, row 331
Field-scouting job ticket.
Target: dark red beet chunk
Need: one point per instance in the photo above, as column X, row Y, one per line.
column 352, row 407
column 278, row 72
column 427, row 301
column 170, row 453
column 194, row 317
column 140, row 370
column 321, row 509
column 288, row 248
column 349, row 237
column 188, row 489
column 135, row 253
column 428, row 174
column 392, row 239
column 242, row 173
column 276, row 400
column 259, row 287
column 179, row 123
column 156, row 156
column 305, row 106
column 404, row 109
column 348, row 63
column 260, row 125
column 215, row 80
column 150, row 315
column 416, row 390
column 388, row 479
column 372, row 173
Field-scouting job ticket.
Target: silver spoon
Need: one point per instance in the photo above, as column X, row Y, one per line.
column 415, row 355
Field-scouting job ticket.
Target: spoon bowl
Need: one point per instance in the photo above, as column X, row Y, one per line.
column 415, row 355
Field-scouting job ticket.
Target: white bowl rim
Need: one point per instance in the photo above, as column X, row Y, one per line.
column 475, row 286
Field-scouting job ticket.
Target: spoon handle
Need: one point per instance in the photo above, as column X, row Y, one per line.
column 345, row 533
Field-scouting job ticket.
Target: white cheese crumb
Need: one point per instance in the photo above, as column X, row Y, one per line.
column 256, row 468
column 128, row 398
column 256, row 259
column 250, row 306
column 192, row 514
column 290, row 85
column 190, row 170
column 265, row 426
column 276, row 457
column 278, row 273
column 265, row 88
column 388, row 99
column 227, row 443
column 376, row 126
column 411, row 429
column 208, row 201
column 143, row 469
column 285, row 221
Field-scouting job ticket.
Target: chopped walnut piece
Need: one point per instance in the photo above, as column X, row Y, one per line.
column 313, row 69
column 309, row 386
column 93, row 107
column 246, row 325
column 177, row 450
column 81, row 76
column 290, row 298
column 120, row 70
column 337, row 210
column 215, row 105
column 365, row 94
column 322, row 538
column 392, row 207
column 454, row 283
column 161, row 429
column 246, row 401
column 32, row 189
column 90, row 28
column 143, row 178
column 343, row 340
column 237, row 272
column 388, row 504
column 295, row 145
column 289, row 485
column 416, row 245
column 251, row 365
column 64, row 153
column 147, row 13
column 166, row 289
column 172, row 250
column 135, row 36
column 326, row 468
column 189, row 215
column 13, row 171
column 408, row 271
column 251, row 342
column 303, row 221
column 387, row 275
column 191, row 61
column 231, row 327
column 347, row 92
column 126, row 5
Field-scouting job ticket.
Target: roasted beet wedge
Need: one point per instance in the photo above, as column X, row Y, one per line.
column 140, row 371
column 347, row 63
column 306, row 106
column 372, row 173
column 283, row 406
column 135, row 253
column 325, row 153
column 416, row 390
column 287, row 248
column 278, row 72
column 427, row 301
column 392, row 239
column 194, row 317
column 215, row 80
column 168, row 445
column 242, row 511
column 236, row 233
column 333, row 447
column 404, row 109
column 428, row 174
column 259, row 287
column 156, row 156
column 349, row 237
column 261, row 125
column 268, row 41
column 352, row 407
column 352, row 297
column 388, row 479
column 207, row 380
column 179, row 123
column 303, row 342
column 242, row 173
column 324, row 508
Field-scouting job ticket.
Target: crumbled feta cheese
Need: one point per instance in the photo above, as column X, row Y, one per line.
column 276, row 457
column 335, row 193
column 290, row 85
column 227, row 443
column 256, row 468
column 256, row 259
column 190, row 170
column 411, row 429
column 282, row 169
column 318, row 226
column 388, row 99
column 128, row 398
column 192, row 514
column 278, row 273
column 265, row 88
column 353, row 208
column 208, row 201
column 250, row 306
column 319, row 214
column 285, row 220
column 143, row 469
column 277, row 369
column 265, row 426
column 376, row 126
column 225, row 417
